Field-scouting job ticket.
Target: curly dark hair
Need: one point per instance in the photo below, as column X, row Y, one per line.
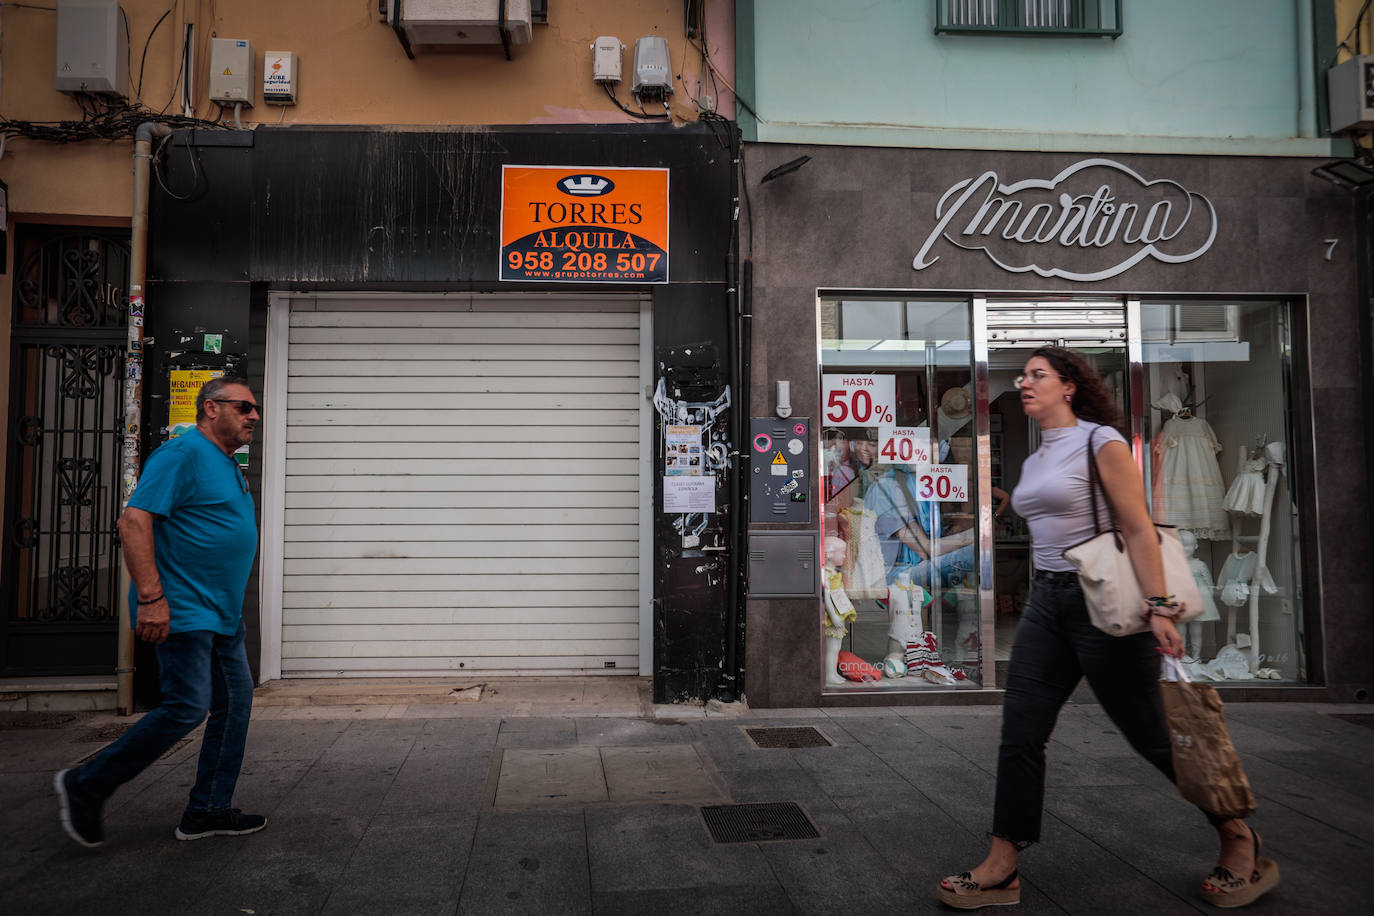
column 1091, row 400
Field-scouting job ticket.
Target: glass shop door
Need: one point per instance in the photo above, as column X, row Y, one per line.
column 1095, row 328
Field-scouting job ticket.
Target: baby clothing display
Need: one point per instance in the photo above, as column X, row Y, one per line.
column 1246, row 496
column 865, row 574
column 1189, row 483
column 839, row 610
column 1203, row 577
column 1247, row 492
column 923, row 661
column 1239, row 574
column 904, row 603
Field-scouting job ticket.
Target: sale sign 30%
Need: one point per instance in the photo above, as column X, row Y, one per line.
column 867, row 400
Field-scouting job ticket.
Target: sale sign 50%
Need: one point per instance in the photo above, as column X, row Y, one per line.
column 868, row 400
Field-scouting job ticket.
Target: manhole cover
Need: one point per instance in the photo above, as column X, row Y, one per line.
column 1359, row 718
column 36, row 719
column 758, row 823
column 790, row 737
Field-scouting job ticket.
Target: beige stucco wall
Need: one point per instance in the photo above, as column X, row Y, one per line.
column 352, row 70
column 1347, row 12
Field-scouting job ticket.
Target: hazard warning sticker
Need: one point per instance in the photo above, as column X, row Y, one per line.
column 779, row 465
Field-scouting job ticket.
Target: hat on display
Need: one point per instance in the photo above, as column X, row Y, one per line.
column 956, row 403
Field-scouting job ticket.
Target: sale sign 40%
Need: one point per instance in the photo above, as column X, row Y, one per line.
column 867, row 400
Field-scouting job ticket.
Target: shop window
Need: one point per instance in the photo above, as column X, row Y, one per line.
column 900, row 606
column 1217, row 456
column 1078, row 18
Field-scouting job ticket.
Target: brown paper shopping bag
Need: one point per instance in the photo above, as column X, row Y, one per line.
column 1207, row 768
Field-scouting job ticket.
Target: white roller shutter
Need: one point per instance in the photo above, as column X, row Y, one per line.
column 462, row 487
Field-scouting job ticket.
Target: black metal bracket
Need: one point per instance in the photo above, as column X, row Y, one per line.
column 395, row 18
column 505, row 35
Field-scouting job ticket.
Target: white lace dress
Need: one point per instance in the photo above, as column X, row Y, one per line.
column 1193, row 491
column 1246, row 496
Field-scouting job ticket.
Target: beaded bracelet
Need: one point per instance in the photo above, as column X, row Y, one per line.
column 1162, row 606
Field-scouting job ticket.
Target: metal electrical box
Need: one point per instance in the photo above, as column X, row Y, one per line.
column 782, row 564
column 606, row 52
column 279, row 77
column 231, row 71
column 653, row 77
column 92, row 47
column 780, row 470
column 1350, row 92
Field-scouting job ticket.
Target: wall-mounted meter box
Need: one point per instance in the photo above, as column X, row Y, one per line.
column 231, row 71
column 1350, row 92
column 92, row 47
column 279, row 77
column 606, row 51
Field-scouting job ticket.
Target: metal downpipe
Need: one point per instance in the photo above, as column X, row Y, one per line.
column 133, row 390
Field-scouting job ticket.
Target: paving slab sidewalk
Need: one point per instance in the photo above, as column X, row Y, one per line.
column 585, row 798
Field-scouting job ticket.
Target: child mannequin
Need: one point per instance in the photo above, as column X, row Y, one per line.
column 905, row 602
column 838, row 611
column 1203, row 577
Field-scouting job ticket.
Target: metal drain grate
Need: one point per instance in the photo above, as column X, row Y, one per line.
column 758, row 823
column 1359, row 718
column 788, row 737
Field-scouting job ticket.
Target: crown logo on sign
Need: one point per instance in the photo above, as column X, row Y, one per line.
column 585, row 185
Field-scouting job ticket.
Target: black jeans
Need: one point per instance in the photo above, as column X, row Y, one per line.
column 1057, row 645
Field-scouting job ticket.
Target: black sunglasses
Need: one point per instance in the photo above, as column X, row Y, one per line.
column 245, row 407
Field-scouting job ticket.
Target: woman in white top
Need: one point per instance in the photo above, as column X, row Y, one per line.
column 1056, row 645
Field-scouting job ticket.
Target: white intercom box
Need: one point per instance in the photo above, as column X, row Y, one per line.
column 231, row 71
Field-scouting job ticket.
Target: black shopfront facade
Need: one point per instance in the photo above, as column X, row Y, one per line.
column 245, row 223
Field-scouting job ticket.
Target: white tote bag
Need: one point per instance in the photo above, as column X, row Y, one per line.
column 1110, row 589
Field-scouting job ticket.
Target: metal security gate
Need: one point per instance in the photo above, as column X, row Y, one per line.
column 462, row 486
column 61, row 552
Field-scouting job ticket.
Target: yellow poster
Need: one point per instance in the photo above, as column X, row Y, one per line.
column 181, row 413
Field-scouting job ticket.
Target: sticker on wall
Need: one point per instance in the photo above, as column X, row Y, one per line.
column 181, row 407
column 214, row 343
column 904, row 445
column 584, row 224
column 136, row 307
column 858, row 400
column 779, row 465
column 682, row 451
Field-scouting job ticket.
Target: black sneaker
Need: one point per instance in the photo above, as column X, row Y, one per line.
column 80, row 816
column 196, row 825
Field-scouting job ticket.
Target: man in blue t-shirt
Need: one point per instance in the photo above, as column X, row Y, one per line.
column 189, row 535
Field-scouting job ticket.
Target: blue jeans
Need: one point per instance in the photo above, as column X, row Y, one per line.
column 949, row 568
column 1056, row 646
column 201, row 672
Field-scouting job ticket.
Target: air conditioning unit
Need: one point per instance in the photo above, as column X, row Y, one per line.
column 461, row 22
column 1197, row 321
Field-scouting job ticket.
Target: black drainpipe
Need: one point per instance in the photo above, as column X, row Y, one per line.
column 737, row 532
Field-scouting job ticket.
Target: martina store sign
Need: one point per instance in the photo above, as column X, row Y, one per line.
column 1094, row 220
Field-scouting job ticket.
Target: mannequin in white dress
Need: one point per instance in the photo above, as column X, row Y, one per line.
column 1192, row 636
column 1190, row 483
